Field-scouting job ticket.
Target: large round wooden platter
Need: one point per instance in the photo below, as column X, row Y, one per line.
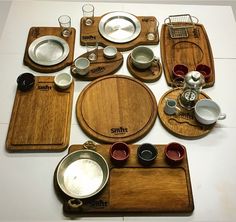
column 116, row 108
column 182, row 124
column 150, row 74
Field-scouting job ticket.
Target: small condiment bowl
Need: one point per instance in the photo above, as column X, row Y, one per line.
column 142, row 57
column 63, row 80
column 25, row 81
column 174, row 152
column 147, row 153
column 119, row 152
column 110, row 52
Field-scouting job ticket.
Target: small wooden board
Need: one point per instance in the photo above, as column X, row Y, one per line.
column 91, row 34
column 191, row 51
column 151, row 74
column 116, row 108
column 183, row 124
column 133, row 188
column 101, row 67
column 41, row 118
column 36, row 32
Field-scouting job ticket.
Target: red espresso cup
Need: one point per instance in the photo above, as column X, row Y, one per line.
column 119, row 152
column 205, row 70
column 174, row 152
column 179, row 71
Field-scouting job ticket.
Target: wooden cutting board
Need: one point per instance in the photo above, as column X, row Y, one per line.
column 191, row 51
column 101, row 67
column 41, row 118
column 183, row 124
column 132, row 188
column 116, row 108
column 36, row 32
column 91, row 34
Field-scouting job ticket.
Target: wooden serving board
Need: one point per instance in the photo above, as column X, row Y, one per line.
column 36, row 32
column 151, row 74
column 183, row 124
column 91, row 34
column 191, row 51
column 101, row 67
column 116, row 108
column 133, row 188
column 41, row 117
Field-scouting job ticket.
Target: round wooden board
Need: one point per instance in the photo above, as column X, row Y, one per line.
column 101, row 67
column 183, row 124
column 116, row 108
column 151, row 74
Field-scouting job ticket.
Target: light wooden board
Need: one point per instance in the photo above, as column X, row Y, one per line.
column 191, row 51
column 183, row 124
column 132, row 188
column 41, row 118
column 116, row 108
column 91, row 34
column 36, row 32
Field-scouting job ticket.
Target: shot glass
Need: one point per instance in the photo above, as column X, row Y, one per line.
column 152, row 30
column 65, row 24
column 92, row 51
column 88, row 14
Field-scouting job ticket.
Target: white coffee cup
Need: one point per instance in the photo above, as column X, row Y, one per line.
column 208, row 112
column 81, row 66
column 171, row 107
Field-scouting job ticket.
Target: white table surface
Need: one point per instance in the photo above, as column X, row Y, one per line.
column 26, row 183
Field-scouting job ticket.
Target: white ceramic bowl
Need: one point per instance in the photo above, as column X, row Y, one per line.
column 110, row 52
column 208, row 112
column 63, row 80
column 142, row 57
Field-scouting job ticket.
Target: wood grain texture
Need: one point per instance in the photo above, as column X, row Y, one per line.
column 41, row 117
column 132, row 188
column 36, row 32
column 191, row 51
column 183, row 124
column 101, row 67
column 116, row 108
column 151, row 74
column 91, row 34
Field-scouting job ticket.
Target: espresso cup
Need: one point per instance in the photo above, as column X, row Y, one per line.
column 81, row 66
column 142, row 57
column 119, row 152
column 174, row 152
column 171, row 107
column 208, row 112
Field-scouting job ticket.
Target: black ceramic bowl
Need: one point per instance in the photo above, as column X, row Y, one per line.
column 25, row 81
column 147, row 153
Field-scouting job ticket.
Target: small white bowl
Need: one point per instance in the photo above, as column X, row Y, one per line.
column 63, row 80
column 110, row 52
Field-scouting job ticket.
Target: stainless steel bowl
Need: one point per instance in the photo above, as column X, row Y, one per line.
column 82, row 174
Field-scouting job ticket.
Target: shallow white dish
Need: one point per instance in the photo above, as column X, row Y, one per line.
column 110, row 52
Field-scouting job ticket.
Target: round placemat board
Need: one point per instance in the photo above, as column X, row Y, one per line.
column 116, row 108
column 184, row 123
column 151, row 74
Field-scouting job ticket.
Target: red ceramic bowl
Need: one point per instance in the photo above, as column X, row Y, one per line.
column 175, row 152
column 204, row 70
column 179, row 71
column 119, row 152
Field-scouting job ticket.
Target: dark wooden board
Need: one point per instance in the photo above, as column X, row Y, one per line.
column 116, row 108
column 151, row 74
column 91, row 34
column 183, row 124
column 191, row 51
column 36, row 32
column 101, row 67
column 41, row 117
column 132, row 188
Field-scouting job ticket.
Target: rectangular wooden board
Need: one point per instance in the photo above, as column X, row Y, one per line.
column 135, row 189
column 91, row 34
column 41, row 118
column 190, row 51
column 36, row 32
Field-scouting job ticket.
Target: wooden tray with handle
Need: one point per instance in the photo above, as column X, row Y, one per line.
column 36, row 32
column 190, row 51
column 41, row 117
column 91, row 34
column 133, row 188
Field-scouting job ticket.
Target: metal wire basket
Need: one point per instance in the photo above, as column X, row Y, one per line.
column 179, row 24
